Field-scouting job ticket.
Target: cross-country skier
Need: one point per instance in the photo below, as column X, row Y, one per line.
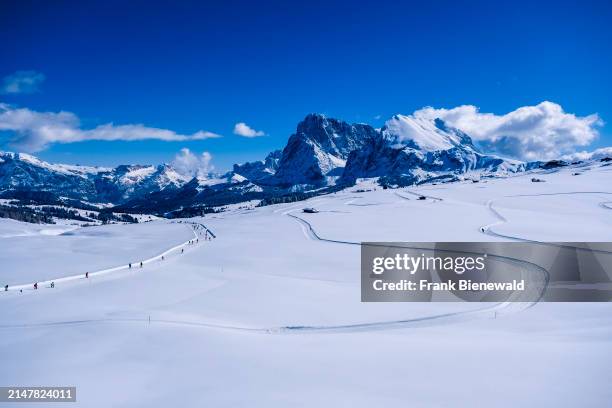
column 141, row 264
column 36, row 285
column 86, row 275
column 6, row 288
column 52, row 285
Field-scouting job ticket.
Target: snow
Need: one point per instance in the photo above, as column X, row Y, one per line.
column 59, row 168
column 172, row 177
column 136, row 175
column 237, row 178
column 11, row 228
column 225, row 316
column 421, row 131
column 210, row 181
column 58, row 252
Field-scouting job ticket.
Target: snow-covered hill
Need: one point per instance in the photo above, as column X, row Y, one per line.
column 273, row 307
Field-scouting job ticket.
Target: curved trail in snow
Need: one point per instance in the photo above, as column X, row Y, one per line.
column 29, row 286
column 444, row 318
column 606, row 204
column 487, row 229
column 310, row 232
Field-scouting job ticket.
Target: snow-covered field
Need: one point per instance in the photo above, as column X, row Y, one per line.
column 269, row 312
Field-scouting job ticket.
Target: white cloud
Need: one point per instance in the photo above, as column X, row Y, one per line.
column 594, row 155
column 33, row 131
column 189, row 164
column 543, row 131
column 22, row 82
column 242, row 129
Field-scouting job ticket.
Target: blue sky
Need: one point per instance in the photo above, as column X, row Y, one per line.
column 209, row 65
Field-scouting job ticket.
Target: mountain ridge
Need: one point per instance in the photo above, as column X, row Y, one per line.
column 323, row 155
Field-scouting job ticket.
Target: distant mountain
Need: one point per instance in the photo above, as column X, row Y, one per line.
column 21, row 173
column 126, row 182
column 316, row 154
column 198, row 194
column 323, row 155
column 260, row 170
column 410, row 150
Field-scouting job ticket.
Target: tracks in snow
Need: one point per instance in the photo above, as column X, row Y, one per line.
column 487, row 229
column 41, row 284
column 444, row 318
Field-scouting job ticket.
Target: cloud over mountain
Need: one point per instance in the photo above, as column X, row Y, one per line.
column 190, row 164
column 543, row 131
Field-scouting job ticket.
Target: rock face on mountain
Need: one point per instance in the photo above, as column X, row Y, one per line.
column 409, row 150
column 319, row 149
column 125, row 182
column 22, row 172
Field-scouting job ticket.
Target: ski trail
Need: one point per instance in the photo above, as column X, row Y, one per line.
column 433, row 320
column 606, row 204
column 487, row 229
column 29, row 286
column 526, row 267
column 310, row 233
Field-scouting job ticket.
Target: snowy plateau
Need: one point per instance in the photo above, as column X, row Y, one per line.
column 260, row 305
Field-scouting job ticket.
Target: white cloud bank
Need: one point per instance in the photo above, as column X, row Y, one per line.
column 242, row 129
column 598, row 154
column 22, row 82
column 189, row 164
column 32, row 131
column 541, row 132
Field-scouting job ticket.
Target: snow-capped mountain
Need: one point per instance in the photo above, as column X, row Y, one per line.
column 125, row 182
column 410, row 150
column 25, row 173
column 323, row 155
column 259, row 170
column 319, row 149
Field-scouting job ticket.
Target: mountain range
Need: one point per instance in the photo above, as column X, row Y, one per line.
column 324, row 154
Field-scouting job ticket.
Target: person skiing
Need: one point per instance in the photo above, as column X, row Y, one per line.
column 130, row 265
column 141, row 264
column 36, row 285
column 182, row 250
column 163, row 258
column 52, row 285
column 86, row 275
column 6, row 288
